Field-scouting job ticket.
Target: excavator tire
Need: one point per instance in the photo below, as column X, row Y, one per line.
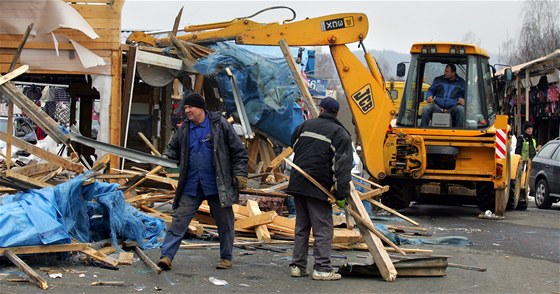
column 513, row 201
column 486, row 196
column 523, row 200
column 400, row 194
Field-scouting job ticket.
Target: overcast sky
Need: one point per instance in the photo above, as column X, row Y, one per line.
column 394, row 25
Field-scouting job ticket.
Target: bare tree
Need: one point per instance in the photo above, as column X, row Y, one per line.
column 471, row 38
column 540, row 32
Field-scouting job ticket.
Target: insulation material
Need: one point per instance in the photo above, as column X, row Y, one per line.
column 46, row 15
column 102, row 84
column 88, row 58
column 66, row 61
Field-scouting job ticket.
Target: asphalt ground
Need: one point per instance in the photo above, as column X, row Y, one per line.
column 520, row 254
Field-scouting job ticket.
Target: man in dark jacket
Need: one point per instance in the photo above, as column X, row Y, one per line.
column 527, row 136
column 323, row 149
column 213, row 166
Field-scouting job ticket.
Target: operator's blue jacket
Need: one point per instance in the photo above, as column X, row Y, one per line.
column 447, row 92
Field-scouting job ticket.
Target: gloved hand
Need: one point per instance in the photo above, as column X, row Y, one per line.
column 341, row 203
column 241, row 182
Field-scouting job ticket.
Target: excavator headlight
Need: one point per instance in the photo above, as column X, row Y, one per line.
column 424, row 50
column 433, row 49
column 462, row 50
column 453, row 50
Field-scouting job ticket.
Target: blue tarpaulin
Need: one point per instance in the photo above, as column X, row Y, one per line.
column 268, row 88
column 56, row 215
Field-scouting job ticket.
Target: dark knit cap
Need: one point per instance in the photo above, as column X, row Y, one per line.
column 195, row 100
column 330, row 105
column 528, row 125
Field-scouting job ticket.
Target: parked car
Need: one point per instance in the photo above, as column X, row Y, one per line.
column 544, row 178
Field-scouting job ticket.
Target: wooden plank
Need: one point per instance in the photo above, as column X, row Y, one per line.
column 380, row 205
column 37, row 279
column 313, row 110
column 147, row 260
column 99, row 256
column 126, row 258
column 280, row 158
column 152, row 172
column 13, row 74
column 51, row 158
column 256, row 220
column 34, row 170
column 262, row 231
column 44, row 248
column 161, row 179
column 375, row 247
column 346, row 236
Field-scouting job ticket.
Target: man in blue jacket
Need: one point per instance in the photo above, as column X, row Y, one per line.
column 323, row 149
column 446, row 94
column 213, row 166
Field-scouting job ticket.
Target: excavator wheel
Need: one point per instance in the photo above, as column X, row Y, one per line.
column 486, row 196
column 400, row 194
column 513, row 199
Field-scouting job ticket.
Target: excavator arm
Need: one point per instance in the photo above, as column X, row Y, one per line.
column 363, row 85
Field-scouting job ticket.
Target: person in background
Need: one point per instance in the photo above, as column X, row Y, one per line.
column 323, row 149
column 526, row 139
column 358, row 170
column 213, row 166
column 446, row 94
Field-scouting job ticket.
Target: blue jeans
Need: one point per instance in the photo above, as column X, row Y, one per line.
column 457, row 114
column 188, row 205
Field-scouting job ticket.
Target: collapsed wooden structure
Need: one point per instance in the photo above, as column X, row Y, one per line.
column 143, row 187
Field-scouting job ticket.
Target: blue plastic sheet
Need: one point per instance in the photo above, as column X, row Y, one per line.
column 268, row 88
column 56, row 215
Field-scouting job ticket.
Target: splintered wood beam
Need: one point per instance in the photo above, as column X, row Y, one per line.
column 37, row 279
column 278, row 159
column 256, row 220
column 99, row 256
column 262, row 231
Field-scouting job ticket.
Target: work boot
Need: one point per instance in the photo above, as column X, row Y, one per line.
column 165, row 263
column 296, row 271
column 224, row 264
column 325, row 276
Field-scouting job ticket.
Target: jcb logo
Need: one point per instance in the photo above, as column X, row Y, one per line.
column 364, row 99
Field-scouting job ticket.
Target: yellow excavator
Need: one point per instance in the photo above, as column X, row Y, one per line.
column 437, row 159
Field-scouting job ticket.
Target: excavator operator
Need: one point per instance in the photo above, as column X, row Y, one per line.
column 446, row 94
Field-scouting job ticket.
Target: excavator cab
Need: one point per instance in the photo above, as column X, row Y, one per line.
column 428, row 61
